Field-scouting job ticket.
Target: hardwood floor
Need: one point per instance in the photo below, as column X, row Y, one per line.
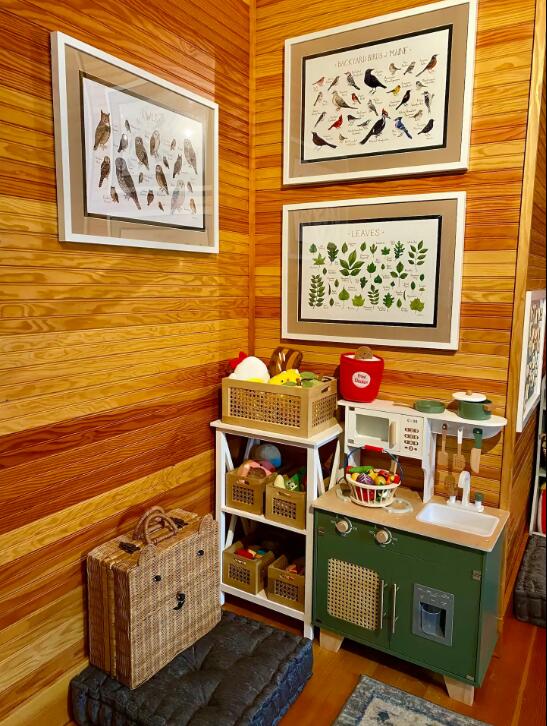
column 513, row 693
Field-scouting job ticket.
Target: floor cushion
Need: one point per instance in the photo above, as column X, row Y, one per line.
column 529, row 598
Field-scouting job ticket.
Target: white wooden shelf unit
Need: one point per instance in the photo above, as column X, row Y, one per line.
column 227, row 517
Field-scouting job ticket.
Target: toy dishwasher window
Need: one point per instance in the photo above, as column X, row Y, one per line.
column 433, row 614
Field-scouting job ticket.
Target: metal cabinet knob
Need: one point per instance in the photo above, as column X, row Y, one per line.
column 383, row 537
column 343, row 526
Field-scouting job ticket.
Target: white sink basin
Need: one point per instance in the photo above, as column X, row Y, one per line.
column 460, row 518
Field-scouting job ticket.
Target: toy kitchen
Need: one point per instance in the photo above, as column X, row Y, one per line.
column 415, row 576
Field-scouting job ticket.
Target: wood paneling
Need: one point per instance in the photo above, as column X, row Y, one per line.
column 493, row 184
column 110, row 358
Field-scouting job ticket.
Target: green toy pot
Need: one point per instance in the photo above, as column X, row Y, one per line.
column 473, row 406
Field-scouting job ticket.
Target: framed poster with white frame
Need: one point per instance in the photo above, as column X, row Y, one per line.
column 136, row 155
column 388, row 96
column 384, row 271
column 533, row 348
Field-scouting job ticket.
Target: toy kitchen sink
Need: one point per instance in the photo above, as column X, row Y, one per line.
column 421, row 587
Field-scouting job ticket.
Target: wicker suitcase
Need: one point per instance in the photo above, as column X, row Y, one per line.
column 153, row 593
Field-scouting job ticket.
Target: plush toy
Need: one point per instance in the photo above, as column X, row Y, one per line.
column 249, row 368
column 267, row 452
column 290, row 376
column 249, row 465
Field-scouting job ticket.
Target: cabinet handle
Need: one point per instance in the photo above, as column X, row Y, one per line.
column 382, row 588
column 394, row 617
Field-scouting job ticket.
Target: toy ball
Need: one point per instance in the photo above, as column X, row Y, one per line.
column 267, row 452
column 251, row 368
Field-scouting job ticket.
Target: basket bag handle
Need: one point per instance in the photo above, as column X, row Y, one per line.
column 144, row 528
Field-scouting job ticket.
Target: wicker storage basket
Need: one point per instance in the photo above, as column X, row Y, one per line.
column 245, row 493
column 280, row 409
column 153, row 593
column 247, row 575
column 286, row 587
column 285, row 507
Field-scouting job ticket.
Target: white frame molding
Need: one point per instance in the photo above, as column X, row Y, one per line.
column 59, row 42
column 524, row 412
column 460, row 197
column 461, row 165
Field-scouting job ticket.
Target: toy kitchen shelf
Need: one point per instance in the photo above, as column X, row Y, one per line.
column 408, row 433
column 228, row 517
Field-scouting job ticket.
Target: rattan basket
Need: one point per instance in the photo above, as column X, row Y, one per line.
column 280, row 409
column 285, row 507
column 245, row 492
column 284, row 587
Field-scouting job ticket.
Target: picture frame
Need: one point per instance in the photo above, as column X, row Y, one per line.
column 382, row 271
column 341, row 124
column 533, row 348
column 136, row 155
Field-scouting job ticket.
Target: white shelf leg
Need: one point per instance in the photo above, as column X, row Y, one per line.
column 335, row 465
column 311, row 492
column 231, row 531
column 220, row 461
column 319, row 472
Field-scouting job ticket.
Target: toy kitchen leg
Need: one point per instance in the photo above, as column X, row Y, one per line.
column 458, row 691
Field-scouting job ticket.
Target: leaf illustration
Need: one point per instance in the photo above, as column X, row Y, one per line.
column 344, row 248
column 317, row 292
column 417, row 305
column 319, row 260
column 378, row 280
column 374, row 295
column 363, row 247
column 371, row 268
column 400, row 267
column 344, row 264
column 363, row 282
column 417, row 254
column 412, row 285
column 385, row 251
column 332, row 251
column 399, row 250
column 422, row 277
column 352, row 258
column 313, row 249
column 336, row 283
column 388, row 300
column 358, row 301
column 351, row 266
column 373, row 249
column 331, row 302
column 324, row 270
column 343, row 294
column 399, row 303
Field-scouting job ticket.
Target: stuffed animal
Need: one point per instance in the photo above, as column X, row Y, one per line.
column 249, row 368
column 290, row 376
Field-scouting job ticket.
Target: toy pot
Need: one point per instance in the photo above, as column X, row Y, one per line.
column 473, row 406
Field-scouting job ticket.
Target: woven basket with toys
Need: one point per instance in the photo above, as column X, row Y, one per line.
column 373, row 487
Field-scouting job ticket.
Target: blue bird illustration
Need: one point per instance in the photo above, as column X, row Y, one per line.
column 401, row 127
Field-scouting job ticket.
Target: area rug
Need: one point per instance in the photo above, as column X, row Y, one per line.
column 376, row 703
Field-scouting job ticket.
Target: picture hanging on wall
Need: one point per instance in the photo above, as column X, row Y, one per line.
column 136, row 156
column 383, row 271
column 389, row 96
column 533, row 347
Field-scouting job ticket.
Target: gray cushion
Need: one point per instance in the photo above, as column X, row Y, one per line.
column 242, row 673
column 529, row 598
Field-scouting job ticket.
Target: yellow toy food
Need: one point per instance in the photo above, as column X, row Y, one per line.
column 290, row 376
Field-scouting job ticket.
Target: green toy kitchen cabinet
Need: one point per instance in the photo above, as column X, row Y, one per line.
column 423, row 600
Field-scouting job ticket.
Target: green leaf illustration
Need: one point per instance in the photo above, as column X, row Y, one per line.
column 417, row 254
column 374, row 295
column 385, row 251
column 412, row 285
column 399, row 303
column 371, row 268
column 332, row 251
column 363, row 282
column 351, row 266
column 336, row 283
column 344, row 248
column 319, row 260
column 313, row 249
column 343, row 294
column 422, row 277
column 358, row 301
column 399, row 250
column 378, row 280
column 331, row 302
column 363, row 247
column 373, row 249
column 352, row 258
column 417, row 305
column 388, row 300
column 317, row 292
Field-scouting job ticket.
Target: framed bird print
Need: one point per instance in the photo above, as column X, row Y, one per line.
column 385, row 97
column 384, row 271
column 136, row 156
column 533, row 351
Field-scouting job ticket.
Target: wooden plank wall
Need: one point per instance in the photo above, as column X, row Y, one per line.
column 110, row 358
column 493, row 184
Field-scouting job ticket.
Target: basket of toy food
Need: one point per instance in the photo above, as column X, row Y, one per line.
column 301, row 404
column 287, row 582
column 246, row 567
column 373, row 487
column 286, row 499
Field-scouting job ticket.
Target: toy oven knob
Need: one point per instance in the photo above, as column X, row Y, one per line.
column 383, row 537
column 343, row 527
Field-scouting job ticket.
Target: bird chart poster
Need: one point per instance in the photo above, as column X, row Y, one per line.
column 383, row 271
column 142, row 162
column 136, row 156
column 378, row 271
column 383, row 98
column 533, row 351
column 388, row 96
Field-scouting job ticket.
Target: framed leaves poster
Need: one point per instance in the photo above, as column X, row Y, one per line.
column 383, row 271
column 387, row 96
column 533, row 349
column 136, row 155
